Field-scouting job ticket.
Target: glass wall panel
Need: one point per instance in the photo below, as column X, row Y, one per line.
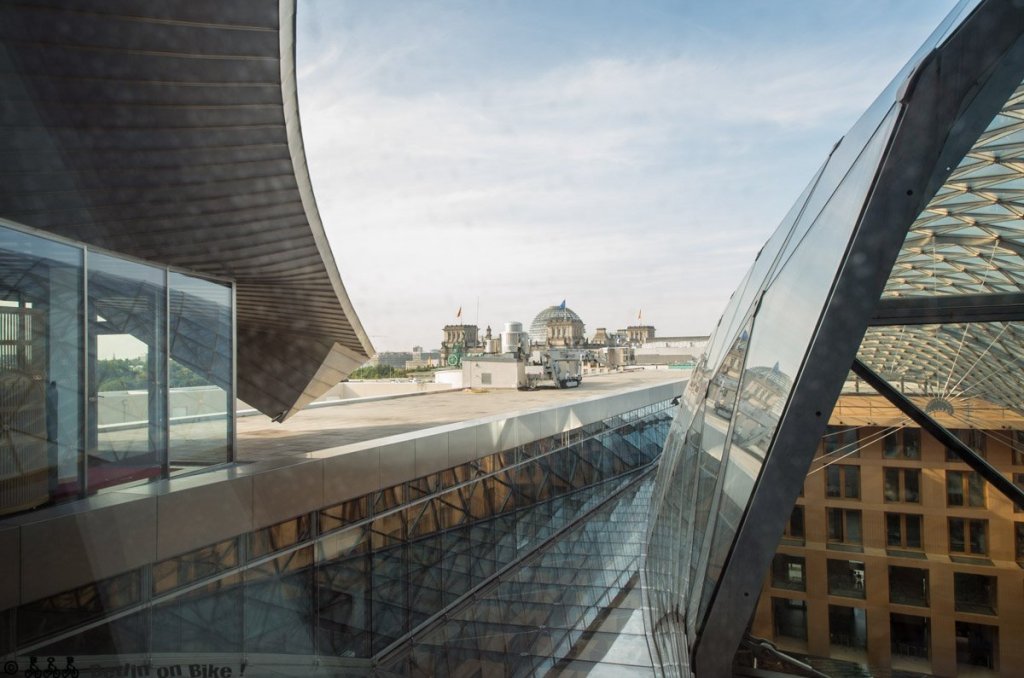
column 127, row 312
column 41, row 359
column 200, row 371
column 785, row 322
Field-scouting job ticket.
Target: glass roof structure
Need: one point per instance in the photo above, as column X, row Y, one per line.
column 964, row 251
column 903, row 251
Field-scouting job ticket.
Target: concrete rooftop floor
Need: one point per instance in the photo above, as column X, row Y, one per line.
column 323, row 427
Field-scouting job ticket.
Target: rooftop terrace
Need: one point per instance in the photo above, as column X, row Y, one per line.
column 325, row 427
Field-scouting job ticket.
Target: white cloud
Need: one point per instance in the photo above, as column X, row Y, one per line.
column 614, row 183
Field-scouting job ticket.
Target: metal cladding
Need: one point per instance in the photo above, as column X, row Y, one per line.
column 170, row 131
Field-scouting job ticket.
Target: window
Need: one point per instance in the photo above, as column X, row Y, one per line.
column 1017, row 447
column 485, row 377
column 1018, row 480
column 790, row 618
column 903, row 484
column 910, row 635
column 843, row 526
column 968, row 536
column 974, row 593
column 903, row 530
column 846, row 578
column 788, row 572
column 965, row 485
column 840, row 440
column 794, row 531
column 977, row 645
column 908, row 586
column 842, row 481
column 1018, row 529
column 903, row 444
column 972, row 438
column 847, row 626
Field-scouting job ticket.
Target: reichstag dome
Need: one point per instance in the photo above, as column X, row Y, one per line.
column 559, row 312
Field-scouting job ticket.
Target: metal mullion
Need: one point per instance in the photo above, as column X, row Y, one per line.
column 84, row 386
column 940, row 433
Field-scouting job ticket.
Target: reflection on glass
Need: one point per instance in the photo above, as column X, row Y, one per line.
column 128, row 363
column 200, row 371
column 785, row 322
column 40, row 370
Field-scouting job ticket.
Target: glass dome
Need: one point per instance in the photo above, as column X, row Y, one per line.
column 539, row 326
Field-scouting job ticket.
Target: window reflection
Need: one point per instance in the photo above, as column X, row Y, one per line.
column 41, row 348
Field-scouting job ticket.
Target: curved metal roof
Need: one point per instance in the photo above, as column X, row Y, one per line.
column 170, row 131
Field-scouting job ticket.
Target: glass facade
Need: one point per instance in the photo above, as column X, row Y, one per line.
column 111, row 371
column 760, row 397
column 557, row 521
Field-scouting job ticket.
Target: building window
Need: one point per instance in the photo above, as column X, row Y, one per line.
column 968, row 536
column 485, row 377
column 794, row 531
column 788, row 572
column 846, row 578
column 842, row 481
column 1018, row 529
column 977, row 645
column 910, row 635
column 903, row 444
column 903, row 484
column 847, row 626
column 908, row 586
column 975, row 593
column 841, row 441
column 903, row 530
column 1018, row 480
column 1017, row 447
column 843, row 526
column 972, row 438
column 965, row 488
column 790, row 618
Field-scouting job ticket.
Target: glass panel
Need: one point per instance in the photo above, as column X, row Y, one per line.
column 974, row 593
column 847, row 626
column 788, row 572
column 908, row 586
column 41, row 368
column 846, row 578
column 790, row 618
column 785, row 321
column 892, row 484
column 200, row 371
column 910, row 635
column 912, row 485
column 851, row 480
column 127, row 362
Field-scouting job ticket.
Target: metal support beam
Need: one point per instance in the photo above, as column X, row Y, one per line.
column 949, row 308
column 940, row 433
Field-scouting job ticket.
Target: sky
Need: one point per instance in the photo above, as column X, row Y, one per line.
column 501, row 156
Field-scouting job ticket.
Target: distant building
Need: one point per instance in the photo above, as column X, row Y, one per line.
column 557, row 326
column 396, row 359
column 465, row 337
column 421, row 358
column 637, row 335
